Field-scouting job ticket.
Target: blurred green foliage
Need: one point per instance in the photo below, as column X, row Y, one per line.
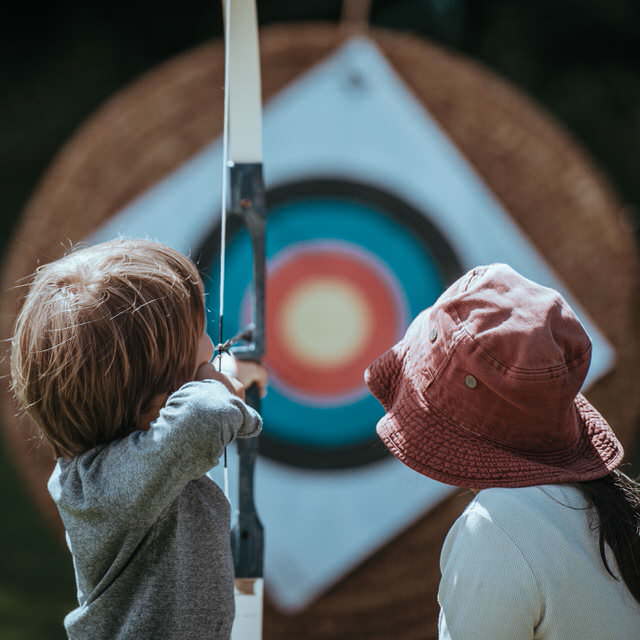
column 36, row 576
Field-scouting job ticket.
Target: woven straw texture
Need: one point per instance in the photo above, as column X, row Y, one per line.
column 541, row 176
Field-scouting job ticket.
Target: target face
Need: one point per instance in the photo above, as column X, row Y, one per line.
column 370, row 203
column 348, row 267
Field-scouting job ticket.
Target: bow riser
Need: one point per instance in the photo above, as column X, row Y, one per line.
column 248, row 201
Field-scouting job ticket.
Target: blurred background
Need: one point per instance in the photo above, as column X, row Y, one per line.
column 579, row 60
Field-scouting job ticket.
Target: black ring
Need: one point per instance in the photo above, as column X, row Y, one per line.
column 423, row 229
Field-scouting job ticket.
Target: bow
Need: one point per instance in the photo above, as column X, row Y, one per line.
column 246, row 194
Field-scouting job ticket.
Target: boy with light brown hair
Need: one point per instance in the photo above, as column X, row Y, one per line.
column 111, row 358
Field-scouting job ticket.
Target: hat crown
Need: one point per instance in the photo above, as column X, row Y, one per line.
column 521, row 325
column 513, row 359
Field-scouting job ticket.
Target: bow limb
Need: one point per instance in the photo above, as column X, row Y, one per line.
column 243, row 158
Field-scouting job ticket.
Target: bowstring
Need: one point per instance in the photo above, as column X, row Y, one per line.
column 223, row 209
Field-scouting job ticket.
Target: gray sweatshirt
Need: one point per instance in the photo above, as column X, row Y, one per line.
column 148, row 530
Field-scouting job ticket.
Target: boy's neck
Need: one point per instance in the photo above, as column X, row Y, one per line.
column 152, row 412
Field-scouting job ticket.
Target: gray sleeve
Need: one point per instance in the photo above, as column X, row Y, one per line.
column 139, row 476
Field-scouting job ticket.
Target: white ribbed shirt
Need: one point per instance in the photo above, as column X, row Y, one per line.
column 519, row 565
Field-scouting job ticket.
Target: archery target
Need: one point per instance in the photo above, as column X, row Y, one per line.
column 367, row 130
column 348, row 267
column 435, row 132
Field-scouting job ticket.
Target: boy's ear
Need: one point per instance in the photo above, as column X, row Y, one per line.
column 206, row 371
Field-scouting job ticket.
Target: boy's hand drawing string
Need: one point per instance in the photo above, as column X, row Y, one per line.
column 225, row 347
column 243, row 194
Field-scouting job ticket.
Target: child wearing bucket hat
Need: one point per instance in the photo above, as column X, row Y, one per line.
column 483, row 392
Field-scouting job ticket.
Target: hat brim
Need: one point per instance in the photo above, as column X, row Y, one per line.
column 424, row 439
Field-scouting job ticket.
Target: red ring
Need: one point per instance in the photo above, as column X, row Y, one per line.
column 379, row 296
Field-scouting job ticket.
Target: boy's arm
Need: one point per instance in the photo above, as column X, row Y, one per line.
column 145, row 472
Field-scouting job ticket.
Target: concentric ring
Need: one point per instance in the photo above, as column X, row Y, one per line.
column 348, row 267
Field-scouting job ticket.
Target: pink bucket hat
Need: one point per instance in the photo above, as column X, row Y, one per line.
column 483, row 390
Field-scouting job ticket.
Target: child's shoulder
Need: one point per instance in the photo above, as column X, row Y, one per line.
column 66, row 468
column 519, row 512
column 501, row 500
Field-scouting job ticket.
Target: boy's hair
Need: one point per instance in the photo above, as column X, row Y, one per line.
column 102, row 331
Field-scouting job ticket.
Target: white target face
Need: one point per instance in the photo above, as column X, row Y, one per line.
column 373, row 211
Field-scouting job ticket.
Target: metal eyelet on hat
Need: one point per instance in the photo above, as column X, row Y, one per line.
column 434, row 334
column 470, row 381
